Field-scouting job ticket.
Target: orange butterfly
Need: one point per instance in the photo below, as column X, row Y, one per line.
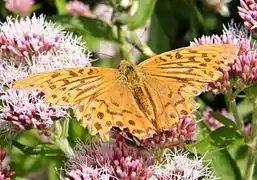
column 146, row 98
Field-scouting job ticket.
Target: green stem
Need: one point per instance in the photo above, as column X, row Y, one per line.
column 252, row 144
column 233, row 108
column 61, row 6
column 159, row 154
column 139, row 44
column 43, row 150
column 254, row 123
column 250, row 165
column 61, row 135
column 235, row 94
column 64, row 146
column 124, row 49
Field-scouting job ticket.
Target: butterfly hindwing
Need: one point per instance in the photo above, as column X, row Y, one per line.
column 114, row 106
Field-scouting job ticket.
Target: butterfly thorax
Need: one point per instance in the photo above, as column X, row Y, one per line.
column 134, row 80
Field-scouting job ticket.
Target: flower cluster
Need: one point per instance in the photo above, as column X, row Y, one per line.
column 117, row 160
column 29, row 40
column 248, row 12
column 27, row 36
column 245, row 68
column 120, row 161
column 23, row 111
column 87, row 173
column 24, row 52
column 177, row 165
column 179, row 133
column 5, row 170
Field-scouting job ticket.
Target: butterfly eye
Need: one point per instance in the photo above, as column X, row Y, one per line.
column 128, row 70
column 131, row 68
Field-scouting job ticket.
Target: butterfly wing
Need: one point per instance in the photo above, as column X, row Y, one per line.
column 114, row 106
column 65, row 86
column 171, row 79
column 101, row 98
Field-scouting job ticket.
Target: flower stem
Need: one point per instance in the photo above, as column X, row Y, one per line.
column 139, row 44
column 124, row 49
column 159, row 154
column 252, row 144
column 250, row 165
column 61, row 135
column 233, row 108
column 64, row 146
column 254, row 123
column 46, row 150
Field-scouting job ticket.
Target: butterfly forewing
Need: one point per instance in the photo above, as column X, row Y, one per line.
column 63, row 87
column 173, row 78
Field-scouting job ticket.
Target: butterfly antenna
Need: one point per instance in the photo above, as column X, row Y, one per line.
column 104, row 54
column 134, row 45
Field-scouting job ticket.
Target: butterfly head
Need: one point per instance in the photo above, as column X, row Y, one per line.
column 126, row 67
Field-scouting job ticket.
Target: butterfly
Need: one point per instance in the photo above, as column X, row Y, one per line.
column 145, row 98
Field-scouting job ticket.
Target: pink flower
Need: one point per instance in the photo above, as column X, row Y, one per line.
column 88, row 173
column 33, row 40
column 5, row 170
column 210, row 121
column 23, row 37
column 244, row 69
column 213, row 123
column 24, row 52
column 130, row 162
column 248, row 128
column 177, row 165
column 179, row 133
column 20, row 7
column 79, row 8
column 248, row 12
column 23, row 111
column 116, row 160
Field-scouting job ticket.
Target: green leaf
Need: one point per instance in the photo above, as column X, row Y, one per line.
column 224, row 120
column 61, row 6
column 36, row 7
column 84, row 25
column 245, row 107
column 238, row 153
column 52, row 174
column 158, row 41
column 143, row 13
column 225, row 167
column 77, row 132
column 224, row 136
column 202, row 146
